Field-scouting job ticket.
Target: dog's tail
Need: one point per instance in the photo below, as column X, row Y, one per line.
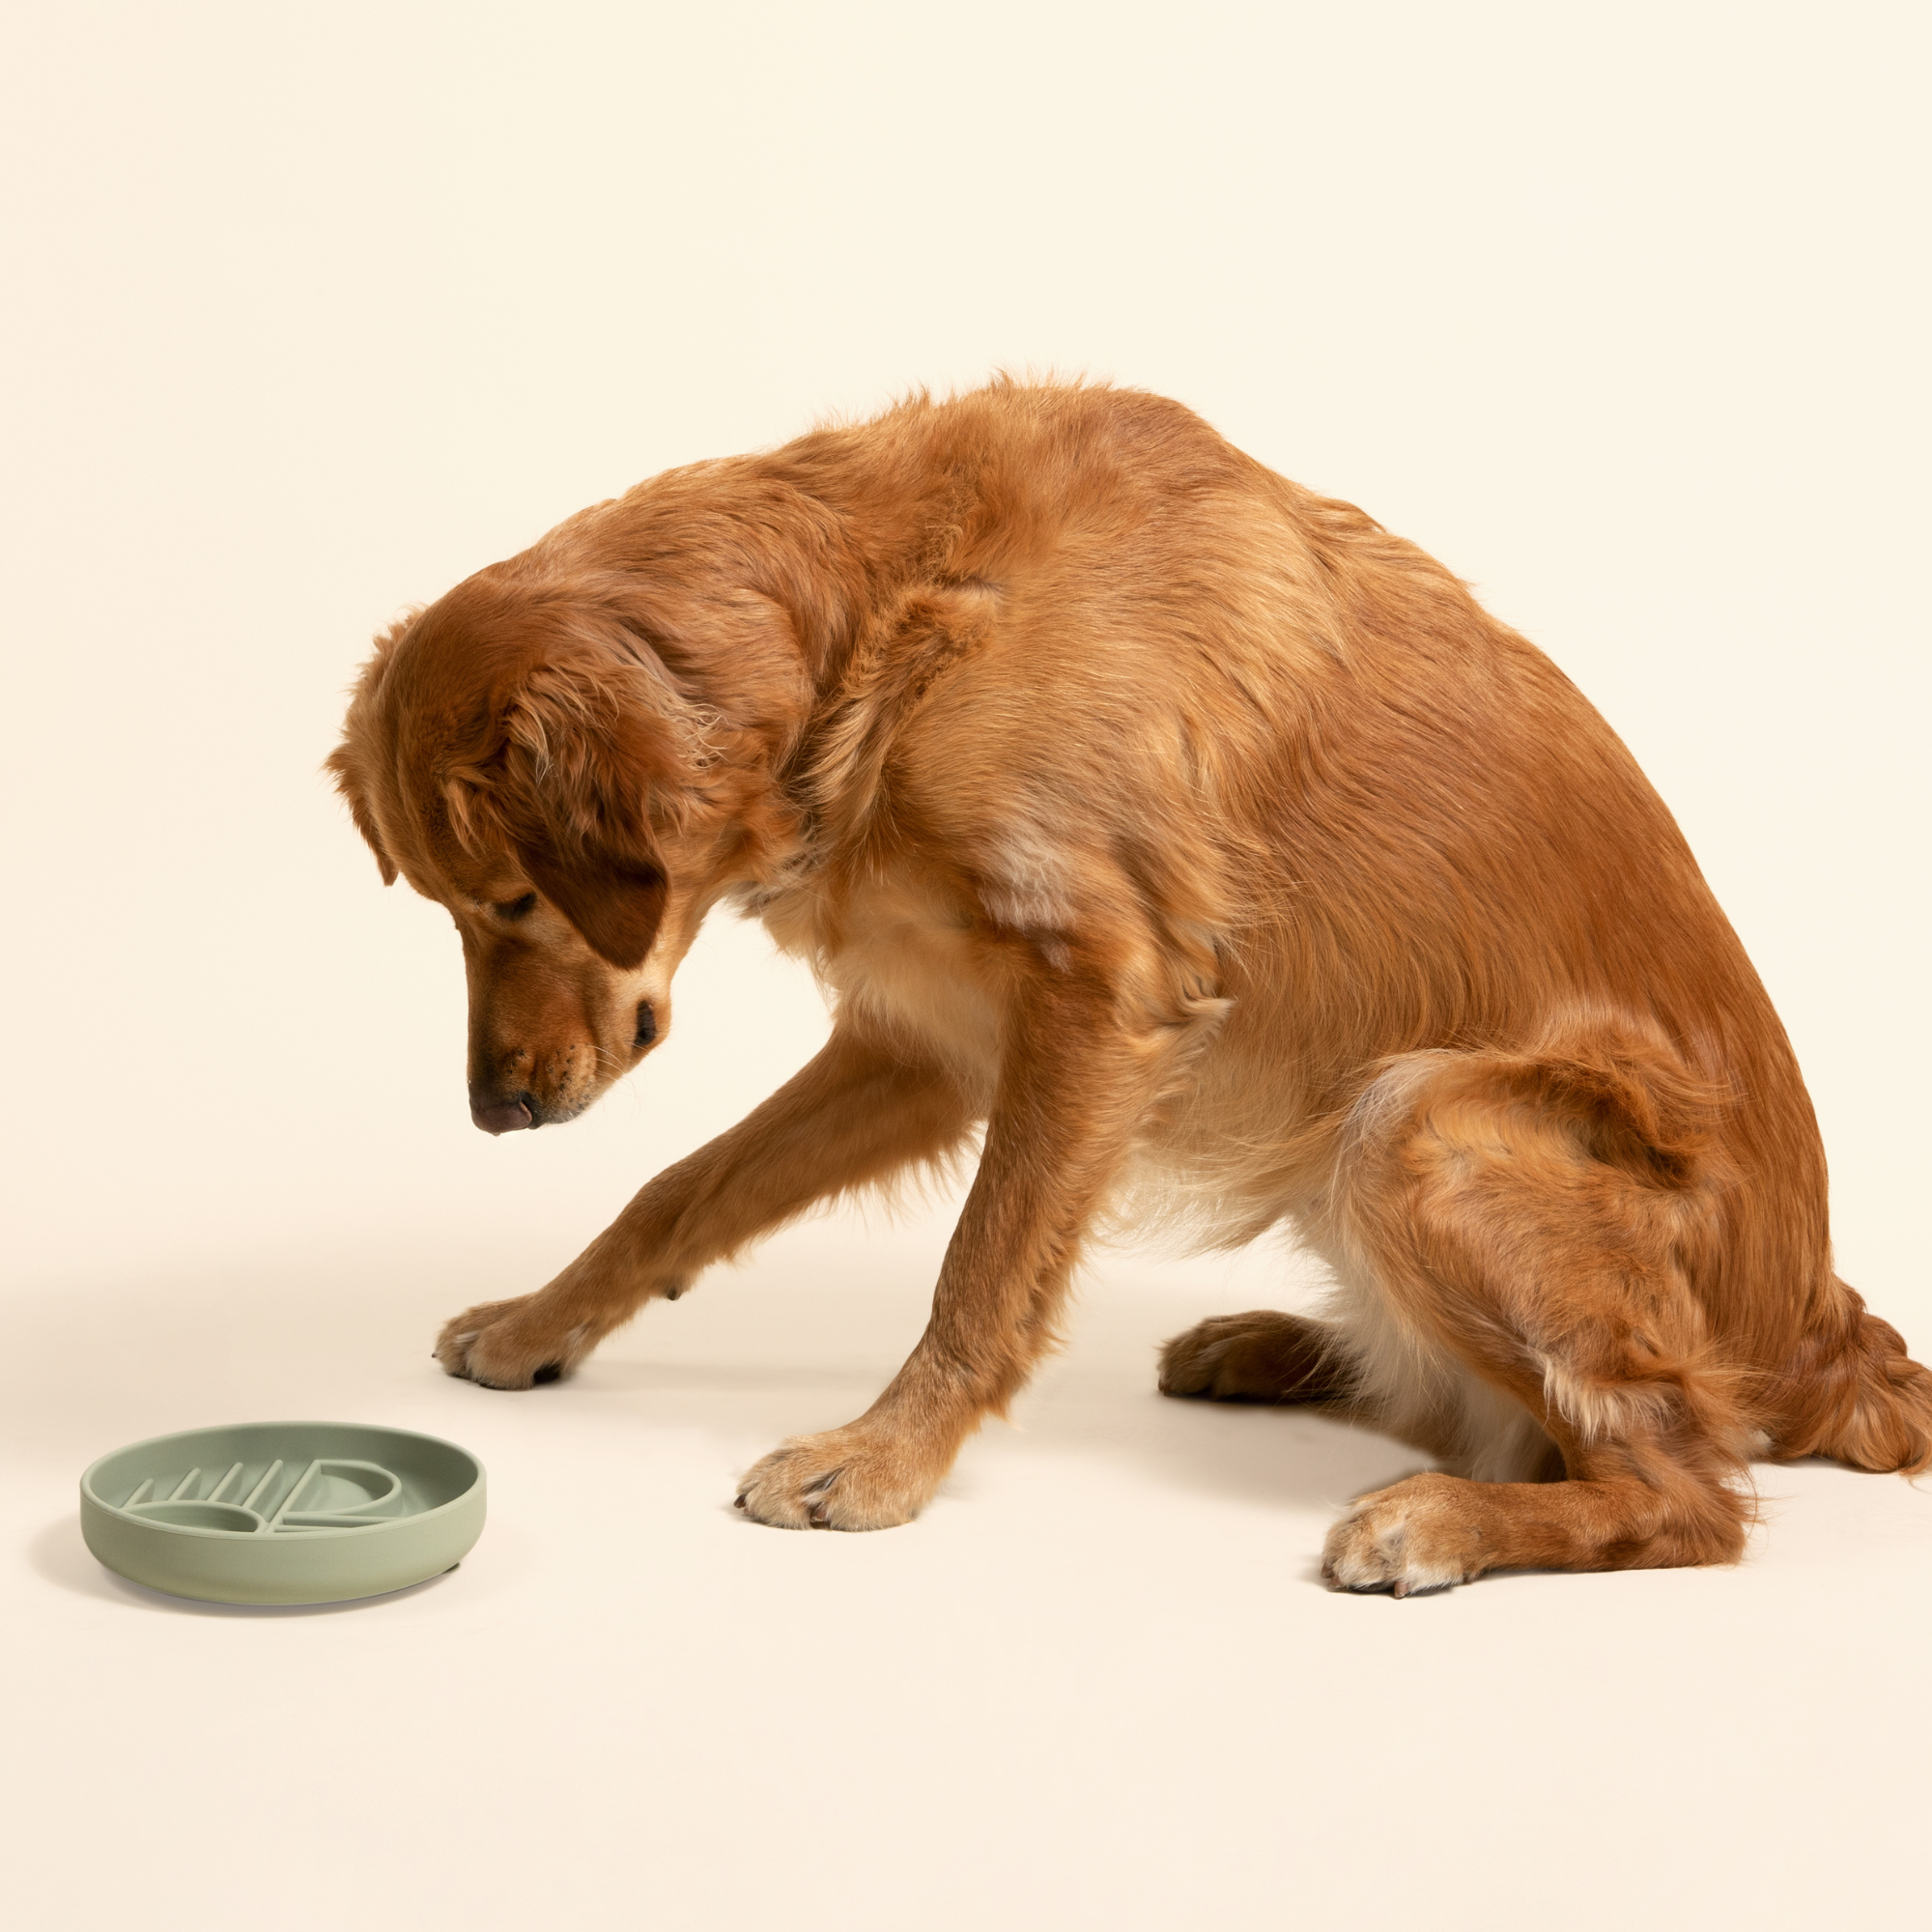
column 1861, row 1399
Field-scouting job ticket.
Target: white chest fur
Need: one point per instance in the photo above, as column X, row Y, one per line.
column 897, row 959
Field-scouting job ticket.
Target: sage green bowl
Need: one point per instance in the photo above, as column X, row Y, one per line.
column 283, row 1512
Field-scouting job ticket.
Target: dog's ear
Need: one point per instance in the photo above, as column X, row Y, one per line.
column 612, row 895
column 352, row 761
column 583, row 752
column 349, row 781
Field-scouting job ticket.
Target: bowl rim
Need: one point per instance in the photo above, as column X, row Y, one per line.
column 229, row 1538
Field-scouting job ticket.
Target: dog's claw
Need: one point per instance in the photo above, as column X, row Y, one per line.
column 1400, row 1587
column 739, row 1502
column 550, row 1371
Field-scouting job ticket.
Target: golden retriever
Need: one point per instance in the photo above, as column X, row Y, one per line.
column 1215, row 853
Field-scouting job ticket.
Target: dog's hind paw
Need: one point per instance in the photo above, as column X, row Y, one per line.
column 1417, row 1536
column 1261, row 1356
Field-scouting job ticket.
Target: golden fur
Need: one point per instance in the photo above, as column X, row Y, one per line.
column 1221, row 857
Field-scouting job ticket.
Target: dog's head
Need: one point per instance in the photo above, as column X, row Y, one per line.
column 521, row 753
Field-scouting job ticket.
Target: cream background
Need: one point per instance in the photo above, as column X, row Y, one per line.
column 1620, row 312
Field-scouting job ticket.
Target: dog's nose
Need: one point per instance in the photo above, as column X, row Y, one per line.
column 503, row 1117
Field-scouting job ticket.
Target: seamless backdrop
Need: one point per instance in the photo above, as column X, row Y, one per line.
column 310, row 312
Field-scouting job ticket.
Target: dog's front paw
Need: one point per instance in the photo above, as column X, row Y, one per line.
column 510, row 1344
column 1425, row 1533
column 859, row 1477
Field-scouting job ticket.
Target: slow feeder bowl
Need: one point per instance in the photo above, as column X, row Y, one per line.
column 283, row 1512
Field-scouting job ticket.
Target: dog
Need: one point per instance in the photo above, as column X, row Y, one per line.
column 1220, row 861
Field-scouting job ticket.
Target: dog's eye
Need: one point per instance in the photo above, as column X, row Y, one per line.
column 517, row 908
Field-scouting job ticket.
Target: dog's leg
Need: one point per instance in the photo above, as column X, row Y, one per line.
column 1509, row 1233
column 1261, row 1356
column 1073, row 1085
column 857, row 1114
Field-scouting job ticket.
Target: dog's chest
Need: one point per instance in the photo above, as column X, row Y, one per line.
column 898, row 956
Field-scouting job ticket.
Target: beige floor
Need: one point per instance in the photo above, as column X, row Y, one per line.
column 1098, row 1684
